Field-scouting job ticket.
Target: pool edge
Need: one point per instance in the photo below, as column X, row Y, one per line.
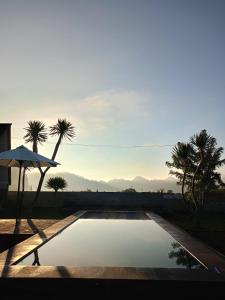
column 199, row 250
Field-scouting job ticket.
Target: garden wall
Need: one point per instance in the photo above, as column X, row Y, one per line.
column 99, row 200
column 114, row 200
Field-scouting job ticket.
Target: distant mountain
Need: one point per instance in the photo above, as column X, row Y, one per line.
column 14, row 180
column 142, row 184
column 75, row 182
column 78, row 183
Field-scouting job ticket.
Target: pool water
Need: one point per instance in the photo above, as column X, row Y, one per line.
column 113, row 243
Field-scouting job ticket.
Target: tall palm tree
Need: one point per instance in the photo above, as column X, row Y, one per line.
column 199, row 161
column 35, row 133
column 64, row 130
column 209, row 179
column 201, row 142
column 181, row 159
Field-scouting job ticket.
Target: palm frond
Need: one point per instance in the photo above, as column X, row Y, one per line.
column 35, row 132
column 63, row 128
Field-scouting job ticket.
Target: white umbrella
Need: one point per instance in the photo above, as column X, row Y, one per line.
column 23, row 157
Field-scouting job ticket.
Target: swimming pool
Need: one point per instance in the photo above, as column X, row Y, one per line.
column 113, row 240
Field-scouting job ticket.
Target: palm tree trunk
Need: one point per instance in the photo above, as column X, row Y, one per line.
column 22, row 192
column 203, row 197
column 38, row 190
column 57, row 147
column 18, row 194
column 43, row 173
column 183, row 184
column 193, row 185
column 35, row 148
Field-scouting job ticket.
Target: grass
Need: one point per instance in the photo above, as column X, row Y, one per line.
column 203, row 222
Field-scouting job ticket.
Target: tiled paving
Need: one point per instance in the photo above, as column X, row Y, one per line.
column 11, row 255
column 26, row 226
column 19, row 271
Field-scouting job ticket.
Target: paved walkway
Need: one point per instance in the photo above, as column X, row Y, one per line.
column 26, row 226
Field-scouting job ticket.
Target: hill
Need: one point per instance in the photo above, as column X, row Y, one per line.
column 78, row 183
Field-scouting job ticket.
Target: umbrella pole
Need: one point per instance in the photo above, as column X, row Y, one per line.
column 18, row 193
column 22, row 192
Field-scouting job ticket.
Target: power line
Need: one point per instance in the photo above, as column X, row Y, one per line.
column 116, row 146
column 111, row 146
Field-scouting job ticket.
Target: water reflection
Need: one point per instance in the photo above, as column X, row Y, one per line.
column 113, row 243
column 36, row 261
column 183, row 258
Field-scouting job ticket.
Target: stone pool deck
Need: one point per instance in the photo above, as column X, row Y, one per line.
column 14, row 253
column 58, row 282
column 26, row 226
column 211, row 258
column 214, row 261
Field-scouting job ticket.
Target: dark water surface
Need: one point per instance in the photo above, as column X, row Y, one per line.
column 113, row 242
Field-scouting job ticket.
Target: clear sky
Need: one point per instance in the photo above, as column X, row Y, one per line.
column 124, row 72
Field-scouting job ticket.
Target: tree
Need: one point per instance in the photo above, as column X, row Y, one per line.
column 202, row 142
column 206, row 178
column 169, row 192
column 56, row 183
column 182, row 155
column 198, row 161
column 63, row 129
column 129, row 190
column 35, row 133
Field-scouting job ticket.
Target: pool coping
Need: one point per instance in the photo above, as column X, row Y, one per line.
column 15, row 253
column 213, row 260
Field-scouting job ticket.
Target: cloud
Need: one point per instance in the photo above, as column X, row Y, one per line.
column 96, row 114
column 106, row 110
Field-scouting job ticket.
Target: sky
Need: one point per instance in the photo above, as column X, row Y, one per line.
column 124, row 72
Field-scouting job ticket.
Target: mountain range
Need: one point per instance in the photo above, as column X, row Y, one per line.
column 78, row 183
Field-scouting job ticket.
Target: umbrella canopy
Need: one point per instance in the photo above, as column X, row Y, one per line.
column 23, row 156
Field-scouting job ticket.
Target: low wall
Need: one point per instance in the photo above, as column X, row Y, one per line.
column 95, row 200
column 101, row 200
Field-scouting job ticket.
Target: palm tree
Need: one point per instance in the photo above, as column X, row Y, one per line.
column 64, row 130
column 35, row 133
column 56, row 183
column 208, row 178
column 182, row 155
column 199, row 161
column 201, row 142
